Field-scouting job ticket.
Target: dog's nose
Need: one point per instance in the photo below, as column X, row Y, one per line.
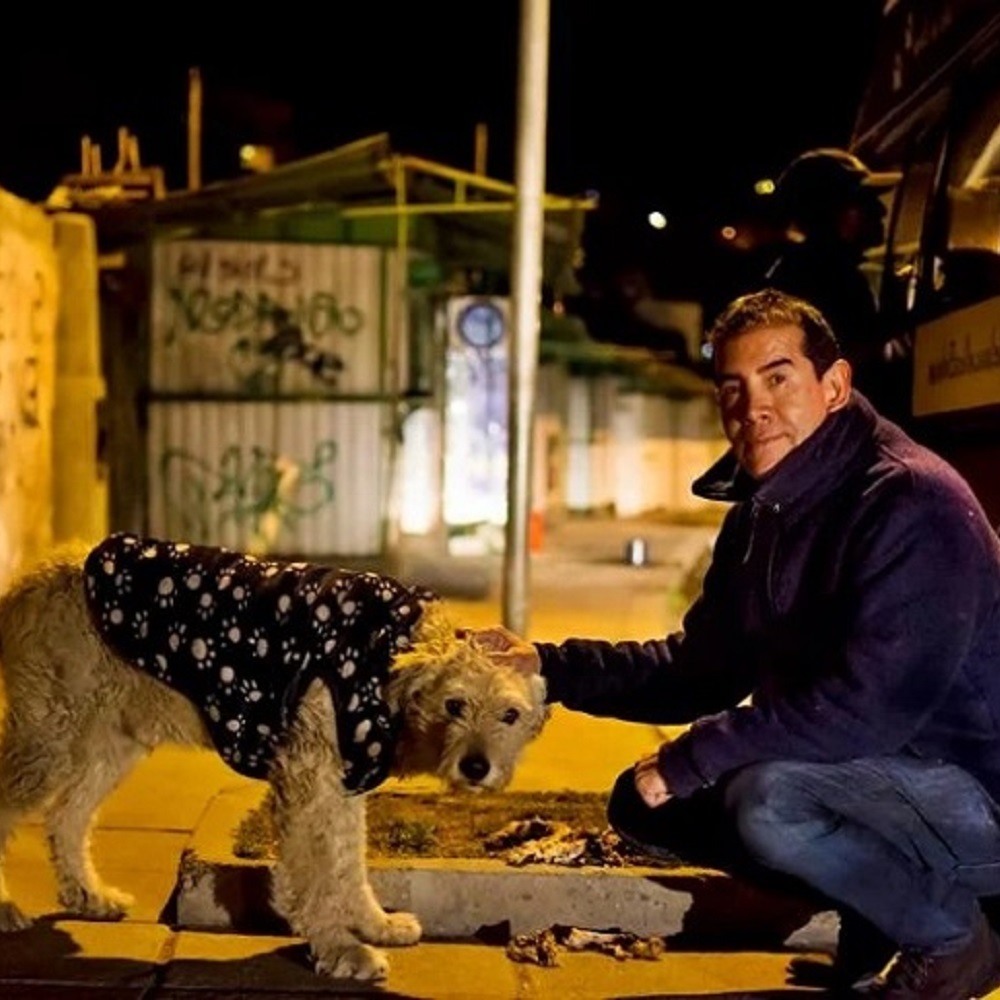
column 475, row 767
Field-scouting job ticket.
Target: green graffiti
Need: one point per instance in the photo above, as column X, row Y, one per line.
column 247, row 485
column 200, row 310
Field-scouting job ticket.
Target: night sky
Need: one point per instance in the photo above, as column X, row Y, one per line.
column 651, row 102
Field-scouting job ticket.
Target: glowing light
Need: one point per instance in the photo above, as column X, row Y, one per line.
column 728, row 232
column 764, row 186
column 657, row 220
column 256, row 158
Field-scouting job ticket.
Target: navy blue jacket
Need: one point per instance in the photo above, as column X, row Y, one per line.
column 853, row 595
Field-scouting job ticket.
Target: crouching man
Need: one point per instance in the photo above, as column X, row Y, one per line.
column 840, row 670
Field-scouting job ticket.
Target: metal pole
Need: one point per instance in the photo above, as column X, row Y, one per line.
column 526, row 272
column 194, row 129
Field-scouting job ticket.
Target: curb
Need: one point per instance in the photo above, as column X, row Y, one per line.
column 457, row 899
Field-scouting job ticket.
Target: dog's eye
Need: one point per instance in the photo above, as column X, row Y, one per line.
column 511, row 716
column 454, row 707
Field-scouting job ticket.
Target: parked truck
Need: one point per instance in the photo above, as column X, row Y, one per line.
column 931, row 110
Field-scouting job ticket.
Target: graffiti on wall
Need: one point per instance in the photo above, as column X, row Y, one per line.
column 258, row 490
column 26, row 316
column 261, row 306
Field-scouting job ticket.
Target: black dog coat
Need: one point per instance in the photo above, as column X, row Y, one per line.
column 242, row 638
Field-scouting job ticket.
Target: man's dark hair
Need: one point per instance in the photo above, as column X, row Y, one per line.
column 770, row 307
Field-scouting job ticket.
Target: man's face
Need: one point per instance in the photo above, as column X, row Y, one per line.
column 770, row 397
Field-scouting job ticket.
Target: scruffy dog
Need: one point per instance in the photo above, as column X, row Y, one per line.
column 321, row 682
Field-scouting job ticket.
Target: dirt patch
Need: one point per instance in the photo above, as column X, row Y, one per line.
column 566, row 828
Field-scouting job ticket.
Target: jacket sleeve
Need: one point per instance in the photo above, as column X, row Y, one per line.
column 663, row 681
column 919, row 580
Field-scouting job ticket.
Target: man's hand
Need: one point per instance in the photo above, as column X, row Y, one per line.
column 650, row 783
column 506, row 648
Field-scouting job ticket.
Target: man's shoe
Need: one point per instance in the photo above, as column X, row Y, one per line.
column 972, row 971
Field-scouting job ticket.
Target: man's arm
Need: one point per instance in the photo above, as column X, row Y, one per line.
column 673, row 680
column 920, row 581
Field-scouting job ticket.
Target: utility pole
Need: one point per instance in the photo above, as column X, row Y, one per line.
column 526, row 272
column 194, row 129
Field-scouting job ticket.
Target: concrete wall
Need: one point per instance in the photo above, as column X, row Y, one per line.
column 28, row 308
column 50, row 481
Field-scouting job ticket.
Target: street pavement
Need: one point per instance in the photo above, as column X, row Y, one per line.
column 580, row 585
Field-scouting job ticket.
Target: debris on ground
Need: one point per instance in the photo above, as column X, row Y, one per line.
column 542, row 947
column 539, row 841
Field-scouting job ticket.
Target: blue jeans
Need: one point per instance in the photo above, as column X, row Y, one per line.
column 909, row 845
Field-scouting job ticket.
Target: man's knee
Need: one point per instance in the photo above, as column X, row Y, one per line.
column 765, row 801
column 625, row 806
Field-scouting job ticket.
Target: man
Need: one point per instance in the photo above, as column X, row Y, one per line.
column 832, row 206
column 854, row 596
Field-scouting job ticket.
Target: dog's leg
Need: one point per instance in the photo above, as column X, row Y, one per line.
column 12, row 918
column 27, row 776
column 109, row 756
column 320, row 881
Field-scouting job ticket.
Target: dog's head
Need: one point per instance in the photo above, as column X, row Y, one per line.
column 463, row 718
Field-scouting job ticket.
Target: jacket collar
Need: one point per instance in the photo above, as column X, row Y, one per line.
column 842, row 443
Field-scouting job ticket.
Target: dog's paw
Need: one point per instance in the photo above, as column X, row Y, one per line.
column 110, row 904
column 12, row 918
column 355, row 961
column 393, row 929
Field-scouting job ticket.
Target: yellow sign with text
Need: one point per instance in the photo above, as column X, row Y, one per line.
column 956, row 361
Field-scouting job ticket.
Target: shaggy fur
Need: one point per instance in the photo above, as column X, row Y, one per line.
column 78, row 719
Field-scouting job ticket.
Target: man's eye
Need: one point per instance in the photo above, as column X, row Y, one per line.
column 776, row 379
column 511, row 716
column 454, row 707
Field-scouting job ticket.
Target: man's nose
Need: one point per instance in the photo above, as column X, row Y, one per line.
column 757, row 406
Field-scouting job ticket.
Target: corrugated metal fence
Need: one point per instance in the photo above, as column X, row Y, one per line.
column 273, row 391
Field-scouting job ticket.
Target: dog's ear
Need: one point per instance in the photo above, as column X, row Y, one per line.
column 406, row 686
column 539, row 689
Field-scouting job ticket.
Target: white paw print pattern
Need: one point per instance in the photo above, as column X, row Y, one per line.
column 205, row 608
column 348, row 662
column 350, row 609
column 112, row 615
column 322, row 618
column 166, row 592
column 290, row 651
column 227, row 679
column 123, row 581
column 140, row 624
column 232, row 632
column 260, row 644
column 250, row 690
column 241, row 596
column 175, row 636
column 161, row 666
column 203, row 652
column 283, row 608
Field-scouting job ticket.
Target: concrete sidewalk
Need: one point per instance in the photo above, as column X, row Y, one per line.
column 179, row 807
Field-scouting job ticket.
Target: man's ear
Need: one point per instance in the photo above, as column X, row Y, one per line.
column 837, row 385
